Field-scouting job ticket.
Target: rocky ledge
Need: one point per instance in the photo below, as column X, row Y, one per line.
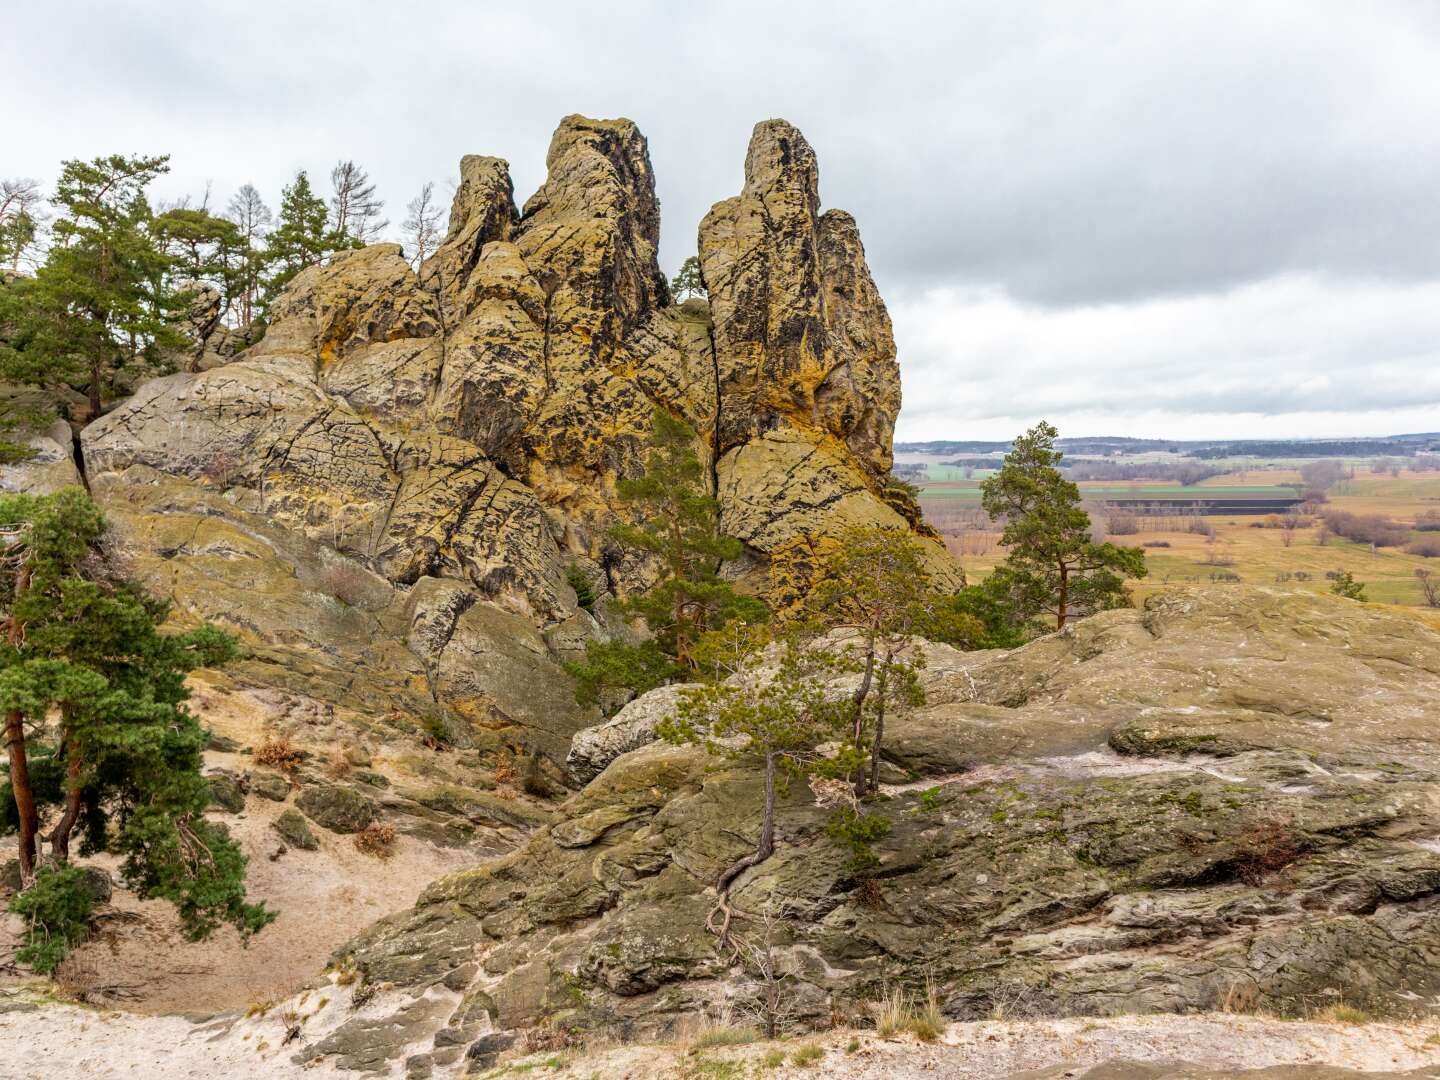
column 1223, row 801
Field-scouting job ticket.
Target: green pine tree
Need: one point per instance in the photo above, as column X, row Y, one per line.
column 101, row 301
column 98, row 737
column 876, row 584
column 680, row 530
column 688, row 280
column 301, row 238
column 1053, row 566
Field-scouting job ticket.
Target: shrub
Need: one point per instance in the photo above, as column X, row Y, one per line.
column 435, row 732
column 56, row 909
column 1122, row 523
column 278, row 752
column 1366, row 528
column 1344, row 584
column 1265, row 847
column 1156, row 544
column 377, row 839
column 858, row 832
column 1428, row 521
column 584, row 591
column 1427, row 546
column 345, row 581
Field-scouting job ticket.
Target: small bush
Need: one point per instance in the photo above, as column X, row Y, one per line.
column 773, row 1059
column 1427, row 546
column 56, row 909
column 435, row 732
column 377, row 839
column 1343, row 583
column 1343, row 1014
column 1265, row 847
column 1366, row 528
column 337, row 765
column 1428, row 521
column 345, row 581
column 584, row 591
column 278, row 752
column 1122, row 523
column 1156, row 544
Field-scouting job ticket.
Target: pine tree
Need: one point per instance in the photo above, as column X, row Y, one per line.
column 688, row 280
column 96, row 729
column 354, row 207
column 423, row 226
column 876, row 584
column 207, row 252
column 1053, row 567
column 300, row 239
column 680, row 530
column 777, row 720
column 20, row 221
column 101, row 301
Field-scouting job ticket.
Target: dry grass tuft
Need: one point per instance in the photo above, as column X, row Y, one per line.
column 377, row 839
column 278, row 752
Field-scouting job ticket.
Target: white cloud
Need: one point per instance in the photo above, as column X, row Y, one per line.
column 1181, row 214
column 1292, row 356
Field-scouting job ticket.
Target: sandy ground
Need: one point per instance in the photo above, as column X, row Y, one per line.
column 138, row 959
column 993, row 1050
column 59, row 1040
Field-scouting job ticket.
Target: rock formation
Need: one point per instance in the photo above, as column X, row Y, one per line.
column 459, row 432
column 1134, row 815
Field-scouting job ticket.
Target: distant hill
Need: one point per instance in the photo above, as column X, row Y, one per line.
column 1107, row 445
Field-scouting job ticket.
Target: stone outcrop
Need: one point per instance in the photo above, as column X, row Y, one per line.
column 458, row 432
column 471, row 421
column 1222, row 801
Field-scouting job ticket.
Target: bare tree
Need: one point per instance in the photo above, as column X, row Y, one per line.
column 253, row 218
column 1429, row 586
column 354, row 207
column 421, row 230
column 1289, row 523
column 21, row 218
column 774, row 1005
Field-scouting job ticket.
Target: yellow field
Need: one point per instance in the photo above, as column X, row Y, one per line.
column 1255, row 555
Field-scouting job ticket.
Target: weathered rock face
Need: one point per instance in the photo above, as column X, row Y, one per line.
column 460, row 432
column 1226, row 800
column 517, row 373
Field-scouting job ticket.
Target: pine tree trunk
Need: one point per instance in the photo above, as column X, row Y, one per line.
column 1061, row 608
column 884, row 689
column 60, row 835
column 766, row 847
column 24, row 797
column 94, row 391
column 29, row 817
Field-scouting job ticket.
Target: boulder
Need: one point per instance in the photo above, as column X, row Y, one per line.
column 632, row 727
column 226, row 792
column 339, row 809
column 294, row 830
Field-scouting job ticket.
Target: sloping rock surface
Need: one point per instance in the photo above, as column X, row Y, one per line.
column 1226, row 800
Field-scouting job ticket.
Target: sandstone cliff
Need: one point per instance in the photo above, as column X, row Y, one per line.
column 458, row 433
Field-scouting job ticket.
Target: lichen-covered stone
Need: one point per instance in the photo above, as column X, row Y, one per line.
column 295, row 831
column 1029, row 865
column 339, row 809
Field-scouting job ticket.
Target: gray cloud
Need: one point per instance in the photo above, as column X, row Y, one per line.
column 1065, row 157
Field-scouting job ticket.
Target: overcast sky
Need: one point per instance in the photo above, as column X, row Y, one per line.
column 1182, row 219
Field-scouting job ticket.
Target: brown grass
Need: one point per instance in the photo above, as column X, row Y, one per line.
column 376, row 839
column 278, row 752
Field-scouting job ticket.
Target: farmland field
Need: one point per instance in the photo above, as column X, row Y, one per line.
column 1224, row 548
